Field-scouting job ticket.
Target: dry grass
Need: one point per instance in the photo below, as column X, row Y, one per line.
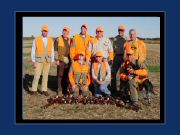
column 32, row 104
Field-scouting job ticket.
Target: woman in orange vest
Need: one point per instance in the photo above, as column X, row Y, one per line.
column 101, row 75
column 79, row 76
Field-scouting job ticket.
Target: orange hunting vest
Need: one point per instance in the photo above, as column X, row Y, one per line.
column 62, row 49
column 43, row 54
column 80, row 45
column 95, row 64
column 139, row 49
column 80, row 73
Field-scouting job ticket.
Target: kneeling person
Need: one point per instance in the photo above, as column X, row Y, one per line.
column 79, row 76
column 101, row 75
column 134, row 73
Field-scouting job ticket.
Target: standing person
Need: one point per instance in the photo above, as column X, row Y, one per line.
column 42, row 56
column 63, row 60
column 79, row 76
column 100, row 43
column 80, row 43
column 101, row 75
column 137, row 46
column 118, row 46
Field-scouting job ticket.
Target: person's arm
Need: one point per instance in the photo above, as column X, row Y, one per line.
column 71, row 76
column 52, row 55
column 56, row 49
column 144, row 52
column 72, row 50
column 33, row 52
column 110, row 51
column 124, row 57
column 142, row 71
column 88, row 81
column 88, row 51
column 94, row 77
column 108, row 76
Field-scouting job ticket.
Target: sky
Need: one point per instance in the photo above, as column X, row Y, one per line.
column 146, row 27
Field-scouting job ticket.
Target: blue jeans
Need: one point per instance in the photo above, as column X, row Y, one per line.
column 101, row 89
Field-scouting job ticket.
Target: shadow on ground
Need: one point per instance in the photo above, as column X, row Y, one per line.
column 27, row 82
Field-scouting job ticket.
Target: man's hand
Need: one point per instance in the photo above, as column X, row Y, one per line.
column 100, row 82
column 87, row 62
column 131, row 71
column 66, row 60
column 130, row 77
column 53, row 63
column 73, row 87
column 35, row 64
column 57, row 62
column 110, row 62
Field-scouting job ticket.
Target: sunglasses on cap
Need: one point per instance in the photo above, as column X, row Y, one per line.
column 120, row 30
column 81, row 54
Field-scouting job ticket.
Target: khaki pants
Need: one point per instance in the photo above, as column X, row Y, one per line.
column 84, row 89
column 44, row 69
column 133, row 90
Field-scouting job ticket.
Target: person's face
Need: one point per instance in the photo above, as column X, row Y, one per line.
column 83, row 30
column 99, row 58
column 130, row 57
column 121, row 32
column 132, row 35
column 99, row 34
column 65, row 33
column 81, row 57
column 44, row 33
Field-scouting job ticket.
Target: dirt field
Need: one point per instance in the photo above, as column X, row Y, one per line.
column 32, row 104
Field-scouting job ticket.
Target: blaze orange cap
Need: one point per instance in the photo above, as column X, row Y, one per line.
column 100, row 54
column 130, row 52
column 67, row 28
column 44, row 28
column 100, row 28
column 122, row 27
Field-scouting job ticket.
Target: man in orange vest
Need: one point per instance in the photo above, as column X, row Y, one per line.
column 42, row 56
column 101, row 75
column 137, row 45
column 79, row 76
column 134, row 74
column 80, row 43
column 63, row 60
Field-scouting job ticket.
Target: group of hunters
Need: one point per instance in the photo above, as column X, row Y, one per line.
column 88, row 65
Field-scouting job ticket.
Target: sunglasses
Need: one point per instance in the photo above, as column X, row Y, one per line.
column 81, row 55
column 99, row 31
column 120, row 30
